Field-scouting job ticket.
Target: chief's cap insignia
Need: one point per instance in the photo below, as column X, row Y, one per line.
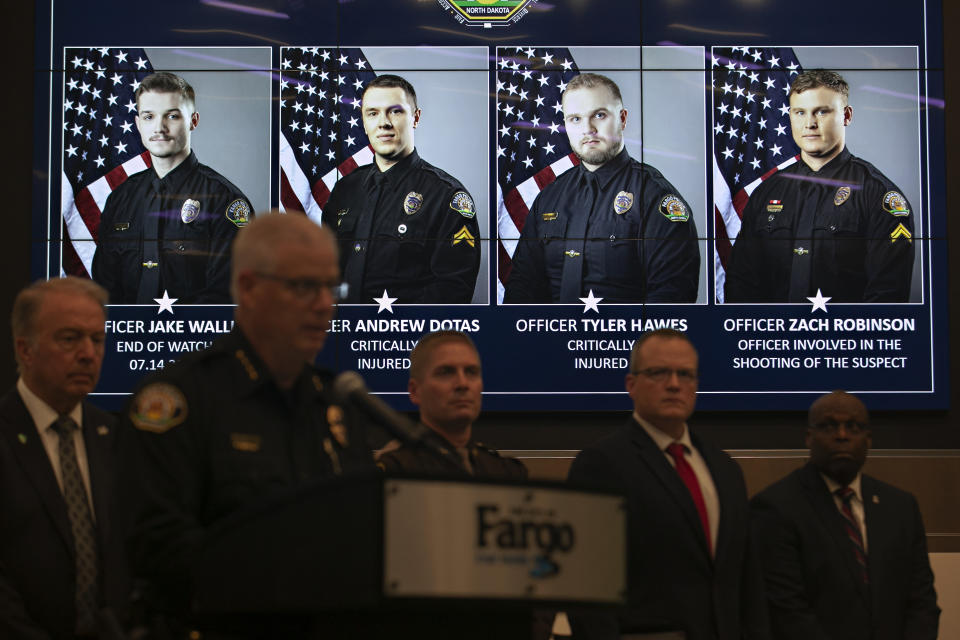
column 412, row 203
column 190, row 211
column 238, row 212
column 623, row 202
column 673, row 209
column 158, row 407
column 462, row 203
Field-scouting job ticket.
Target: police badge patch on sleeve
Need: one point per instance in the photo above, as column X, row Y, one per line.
column 158, row 408
column 462, row 203
column 238, row 212
column 673, row 209
column 895, row 204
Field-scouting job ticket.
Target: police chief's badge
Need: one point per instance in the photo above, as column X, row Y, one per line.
column 412, row 203
column 673, row 209
column 190, row 211
column 158, row 407
column 238, row 212
column 337, row 429
column 841, row 196
column 623, row 202
column 462, row 203
column 895, row 204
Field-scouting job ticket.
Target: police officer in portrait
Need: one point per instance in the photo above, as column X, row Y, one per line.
column 169, row 228
column 831, row 222
column 404, row 226
column 245, row 419
column 610, row 225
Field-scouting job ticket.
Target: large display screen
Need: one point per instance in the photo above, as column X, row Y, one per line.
column 534, row 232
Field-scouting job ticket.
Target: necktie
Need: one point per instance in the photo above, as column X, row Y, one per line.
column 81, row 524
column 676, row 450
column 363, row 240
column 571, row 277
column 853, row 531
column 150, row 267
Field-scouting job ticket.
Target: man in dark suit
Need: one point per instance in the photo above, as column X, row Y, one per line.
column 691, row 569
column 62, row 572
column 844, row 555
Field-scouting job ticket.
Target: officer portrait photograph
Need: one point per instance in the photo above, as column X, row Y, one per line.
column 387, row 146
column 162, row 168
column 819, row 194
column 602, row 184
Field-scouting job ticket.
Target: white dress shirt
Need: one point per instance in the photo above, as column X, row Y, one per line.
column 707, row 487
column 43, row 418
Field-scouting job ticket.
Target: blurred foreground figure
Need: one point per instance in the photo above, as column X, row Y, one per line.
column 249, row 417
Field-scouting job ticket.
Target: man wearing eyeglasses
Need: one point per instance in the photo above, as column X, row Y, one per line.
column 247, row 418
column 844, row 555
column 690, row 568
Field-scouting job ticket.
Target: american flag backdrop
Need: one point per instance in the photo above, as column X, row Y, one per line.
column 321, row 128
column 101, row 145
column 532, row 146
column 751, row 133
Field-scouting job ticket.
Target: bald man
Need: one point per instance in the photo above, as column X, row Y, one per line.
column 844, row 555
column 250, row 416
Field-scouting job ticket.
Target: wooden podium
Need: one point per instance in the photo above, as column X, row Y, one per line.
column 410, row 557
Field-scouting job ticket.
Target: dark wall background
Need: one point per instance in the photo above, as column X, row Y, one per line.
column 568, row 430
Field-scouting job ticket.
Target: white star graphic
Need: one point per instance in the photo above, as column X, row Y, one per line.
column 819, row 302
column 385, row 302
column 590, row 302
column 166, row 303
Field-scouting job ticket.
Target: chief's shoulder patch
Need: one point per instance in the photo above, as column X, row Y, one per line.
column 673, row 209
column 238, row 212
column 895, row 204
column 462, row 203
column 158, row 407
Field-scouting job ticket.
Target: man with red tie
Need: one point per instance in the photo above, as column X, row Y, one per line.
column 690, row 567
column 844, row 555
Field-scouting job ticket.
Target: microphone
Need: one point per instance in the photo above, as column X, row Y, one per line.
column 351, row 386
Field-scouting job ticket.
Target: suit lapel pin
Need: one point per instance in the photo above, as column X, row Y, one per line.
column 22, row 437
column 103, row 430
column 876, row 499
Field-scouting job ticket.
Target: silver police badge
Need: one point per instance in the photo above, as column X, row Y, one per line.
column 842, row 194
column 623, row 202
column 190, row 211
column 412, row 203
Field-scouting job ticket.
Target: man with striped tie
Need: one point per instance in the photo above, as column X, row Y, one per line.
column 844, row 555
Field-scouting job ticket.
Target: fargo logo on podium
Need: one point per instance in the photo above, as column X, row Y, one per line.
column 529, row 536
column 487, row 13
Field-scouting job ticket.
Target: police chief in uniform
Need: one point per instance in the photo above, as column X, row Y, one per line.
column 169, row 228
column 245, row 419
column 404, row 226
column 446, row 383
column 611, row 225
column 830, row 222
